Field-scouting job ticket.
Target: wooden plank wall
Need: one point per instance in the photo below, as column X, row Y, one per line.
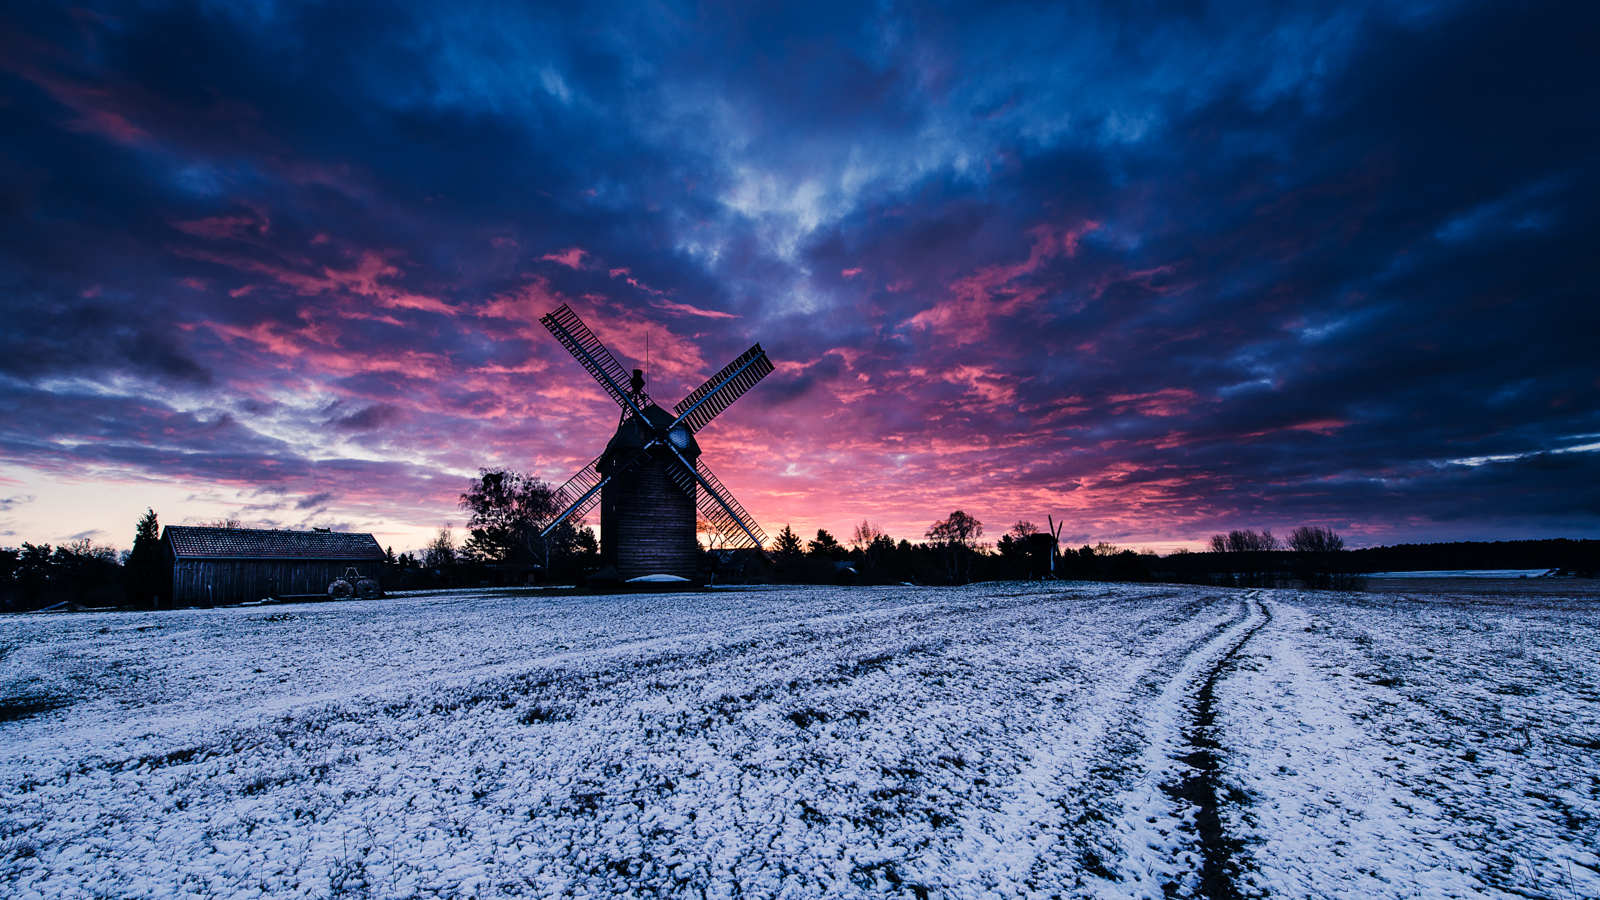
column 202, row 581
column 647, row 524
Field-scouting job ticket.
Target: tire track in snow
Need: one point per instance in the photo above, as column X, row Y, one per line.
column 1156, row 826
column 1202, row 786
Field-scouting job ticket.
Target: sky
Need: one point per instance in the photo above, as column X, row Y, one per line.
column 1153, row 270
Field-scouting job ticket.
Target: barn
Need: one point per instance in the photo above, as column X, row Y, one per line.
column 227, row 565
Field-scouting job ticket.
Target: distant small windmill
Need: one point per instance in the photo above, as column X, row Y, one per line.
column 650, row 481
column 1055, row 542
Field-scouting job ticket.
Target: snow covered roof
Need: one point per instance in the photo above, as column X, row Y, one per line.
column 194, row 542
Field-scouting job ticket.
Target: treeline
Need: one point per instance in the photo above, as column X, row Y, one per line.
column 84, row 574
column 35, row 576
column 504, row 545
column 1251, row 559
column 1574, row 557
column 572, row 553
column 951, row 552
column 1310, row 557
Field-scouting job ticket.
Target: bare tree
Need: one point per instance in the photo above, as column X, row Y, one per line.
column 956, row 537
column 1315, row 539
column 441, row 551
column 864, row 535
column 711, row 538
column 1320, row 560
column 1246, row 541
column 872, row 542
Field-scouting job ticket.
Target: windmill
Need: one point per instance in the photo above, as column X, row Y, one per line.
column 1055, row 542
column 649, row 481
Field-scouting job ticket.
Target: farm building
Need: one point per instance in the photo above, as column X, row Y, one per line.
column 226, row 565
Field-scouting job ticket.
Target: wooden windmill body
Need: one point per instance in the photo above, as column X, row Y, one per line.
column 652, row 489
column 647, row 520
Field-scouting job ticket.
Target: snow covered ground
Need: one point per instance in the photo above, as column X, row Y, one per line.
column 1006, row 740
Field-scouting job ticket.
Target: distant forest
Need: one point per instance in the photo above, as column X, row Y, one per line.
column 1258, row 560
column 1559, row 553
column 1345, row 568
column 952, row 552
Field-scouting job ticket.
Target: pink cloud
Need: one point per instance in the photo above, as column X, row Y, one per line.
column 109, row 123
column 967, row 316
column 525, row 304
column 985, row 383
column 1323, row 427
column 223, row 228
column 1144, row 278
column 94, row 105
column 1165, row 402
column 1320, row 426
column 365, row 279
column 624, row 271
column 572, row 257
column 684, row 309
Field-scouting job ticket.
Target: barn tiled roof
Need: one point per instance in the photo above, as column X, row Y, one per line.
column 194, row 542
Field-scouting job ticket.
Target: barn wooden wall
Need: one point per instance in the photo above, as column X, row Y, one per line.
column 647, row 524
column 203, row 581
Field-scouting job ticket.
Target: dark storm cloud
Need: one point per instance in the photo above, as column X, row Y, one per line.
column 1169, row 268
column 1355, row 282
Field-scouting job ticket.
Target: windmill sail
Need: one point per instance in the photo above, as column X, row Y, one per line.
column 593, row 355
column 721, row 389
column 727, row 518
column 582, row 491
column 725, row 514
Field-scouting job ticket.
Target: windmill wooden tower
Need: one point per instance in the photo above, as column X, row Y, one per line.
column 649, row 481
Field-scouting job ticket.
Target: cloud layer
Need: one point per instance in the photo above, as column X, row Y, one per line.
column 1158, row 269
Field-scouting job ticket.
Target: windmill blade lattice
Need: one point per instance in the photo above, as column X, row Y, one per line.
column 567, row 328
column 717, row 506
column 721, row 389
column 582, row 490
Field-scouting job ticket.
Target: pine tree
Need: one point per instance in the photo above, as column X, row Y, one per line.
column 143, row 576
column 826, row 546
column 787, row 545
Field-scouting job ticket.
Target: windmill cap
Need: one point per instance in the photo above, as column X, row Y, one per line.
column 630, row 436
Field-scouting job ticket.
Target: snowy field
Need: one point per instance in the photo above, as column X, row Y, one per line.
column 1000, row 740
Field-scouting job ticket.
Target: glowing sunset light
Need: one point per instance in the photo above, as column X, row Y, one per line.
column 1156, row 274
